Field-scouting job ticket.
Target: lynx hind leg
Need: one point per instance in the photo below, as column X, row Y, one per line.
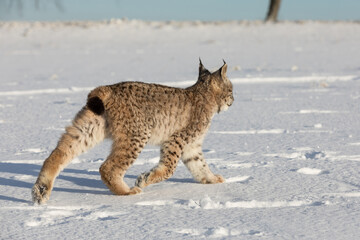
column 85, row 132
column 169, row 156
column 123, row 155
column 194, row 161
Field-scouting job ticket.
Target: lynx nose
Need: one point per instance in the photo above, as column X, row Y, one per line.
column 231, row 101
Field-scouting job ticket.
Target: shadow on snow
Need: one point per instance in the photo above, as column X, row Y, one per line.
column 34, row 169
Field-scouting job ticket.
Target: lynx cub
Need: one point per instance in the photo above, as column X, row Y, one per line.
column 134, row 114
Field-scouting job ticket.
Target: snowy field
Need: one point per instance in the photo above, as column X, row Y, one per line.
column 289, row 147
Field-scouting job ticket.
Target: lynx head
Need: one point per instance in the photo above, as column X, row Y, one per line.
column 218, row 84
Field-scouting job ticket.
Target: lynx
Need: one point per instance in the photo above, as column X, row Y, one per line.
column 133, row 114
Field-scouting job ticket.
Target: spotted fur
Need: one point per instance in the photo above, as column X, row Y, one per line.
column 134, row 114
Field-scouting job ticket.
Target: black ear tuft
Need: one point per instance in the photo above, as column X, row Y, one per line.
column 202, row 70
column 96, row 105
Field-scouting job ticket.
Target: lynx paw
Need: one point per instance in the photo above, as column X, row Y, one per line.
column 40, row 193
column 216, row 179
column 141, row 180
column 135, row 190
column 219, row 179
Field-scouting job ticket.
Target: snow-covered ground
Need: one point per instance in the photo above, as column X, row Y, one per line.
column 289, row 147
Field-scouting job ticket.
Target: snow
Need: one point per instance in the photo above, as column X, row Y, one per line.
column 288, row 147
column 310, row 171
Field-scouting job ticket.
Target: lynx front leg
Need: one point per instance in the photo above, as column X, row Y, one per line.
column 169, row 156
column 122, row 156
column 194, row 160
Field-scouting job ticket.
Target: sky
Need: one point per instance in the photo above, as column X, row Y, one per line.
column 205, row 10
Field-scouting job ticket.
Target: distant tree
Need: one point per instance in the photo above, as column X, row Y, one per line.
column 19, row 5
column 273, row 11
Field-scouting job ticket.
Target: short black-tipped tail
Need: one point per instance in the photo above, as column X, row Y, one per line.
column 96, row 105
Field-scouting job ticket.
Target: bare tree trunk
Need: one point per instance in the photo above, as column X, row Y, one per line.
column 273, row 11
column 19, row 5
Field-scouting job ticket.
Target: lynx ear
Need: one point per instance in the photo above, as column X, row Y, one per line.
column 202, row 70
column 222, row 71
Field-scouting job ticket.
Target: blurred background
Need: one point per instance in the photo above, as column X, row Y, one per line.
column 165, row 10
